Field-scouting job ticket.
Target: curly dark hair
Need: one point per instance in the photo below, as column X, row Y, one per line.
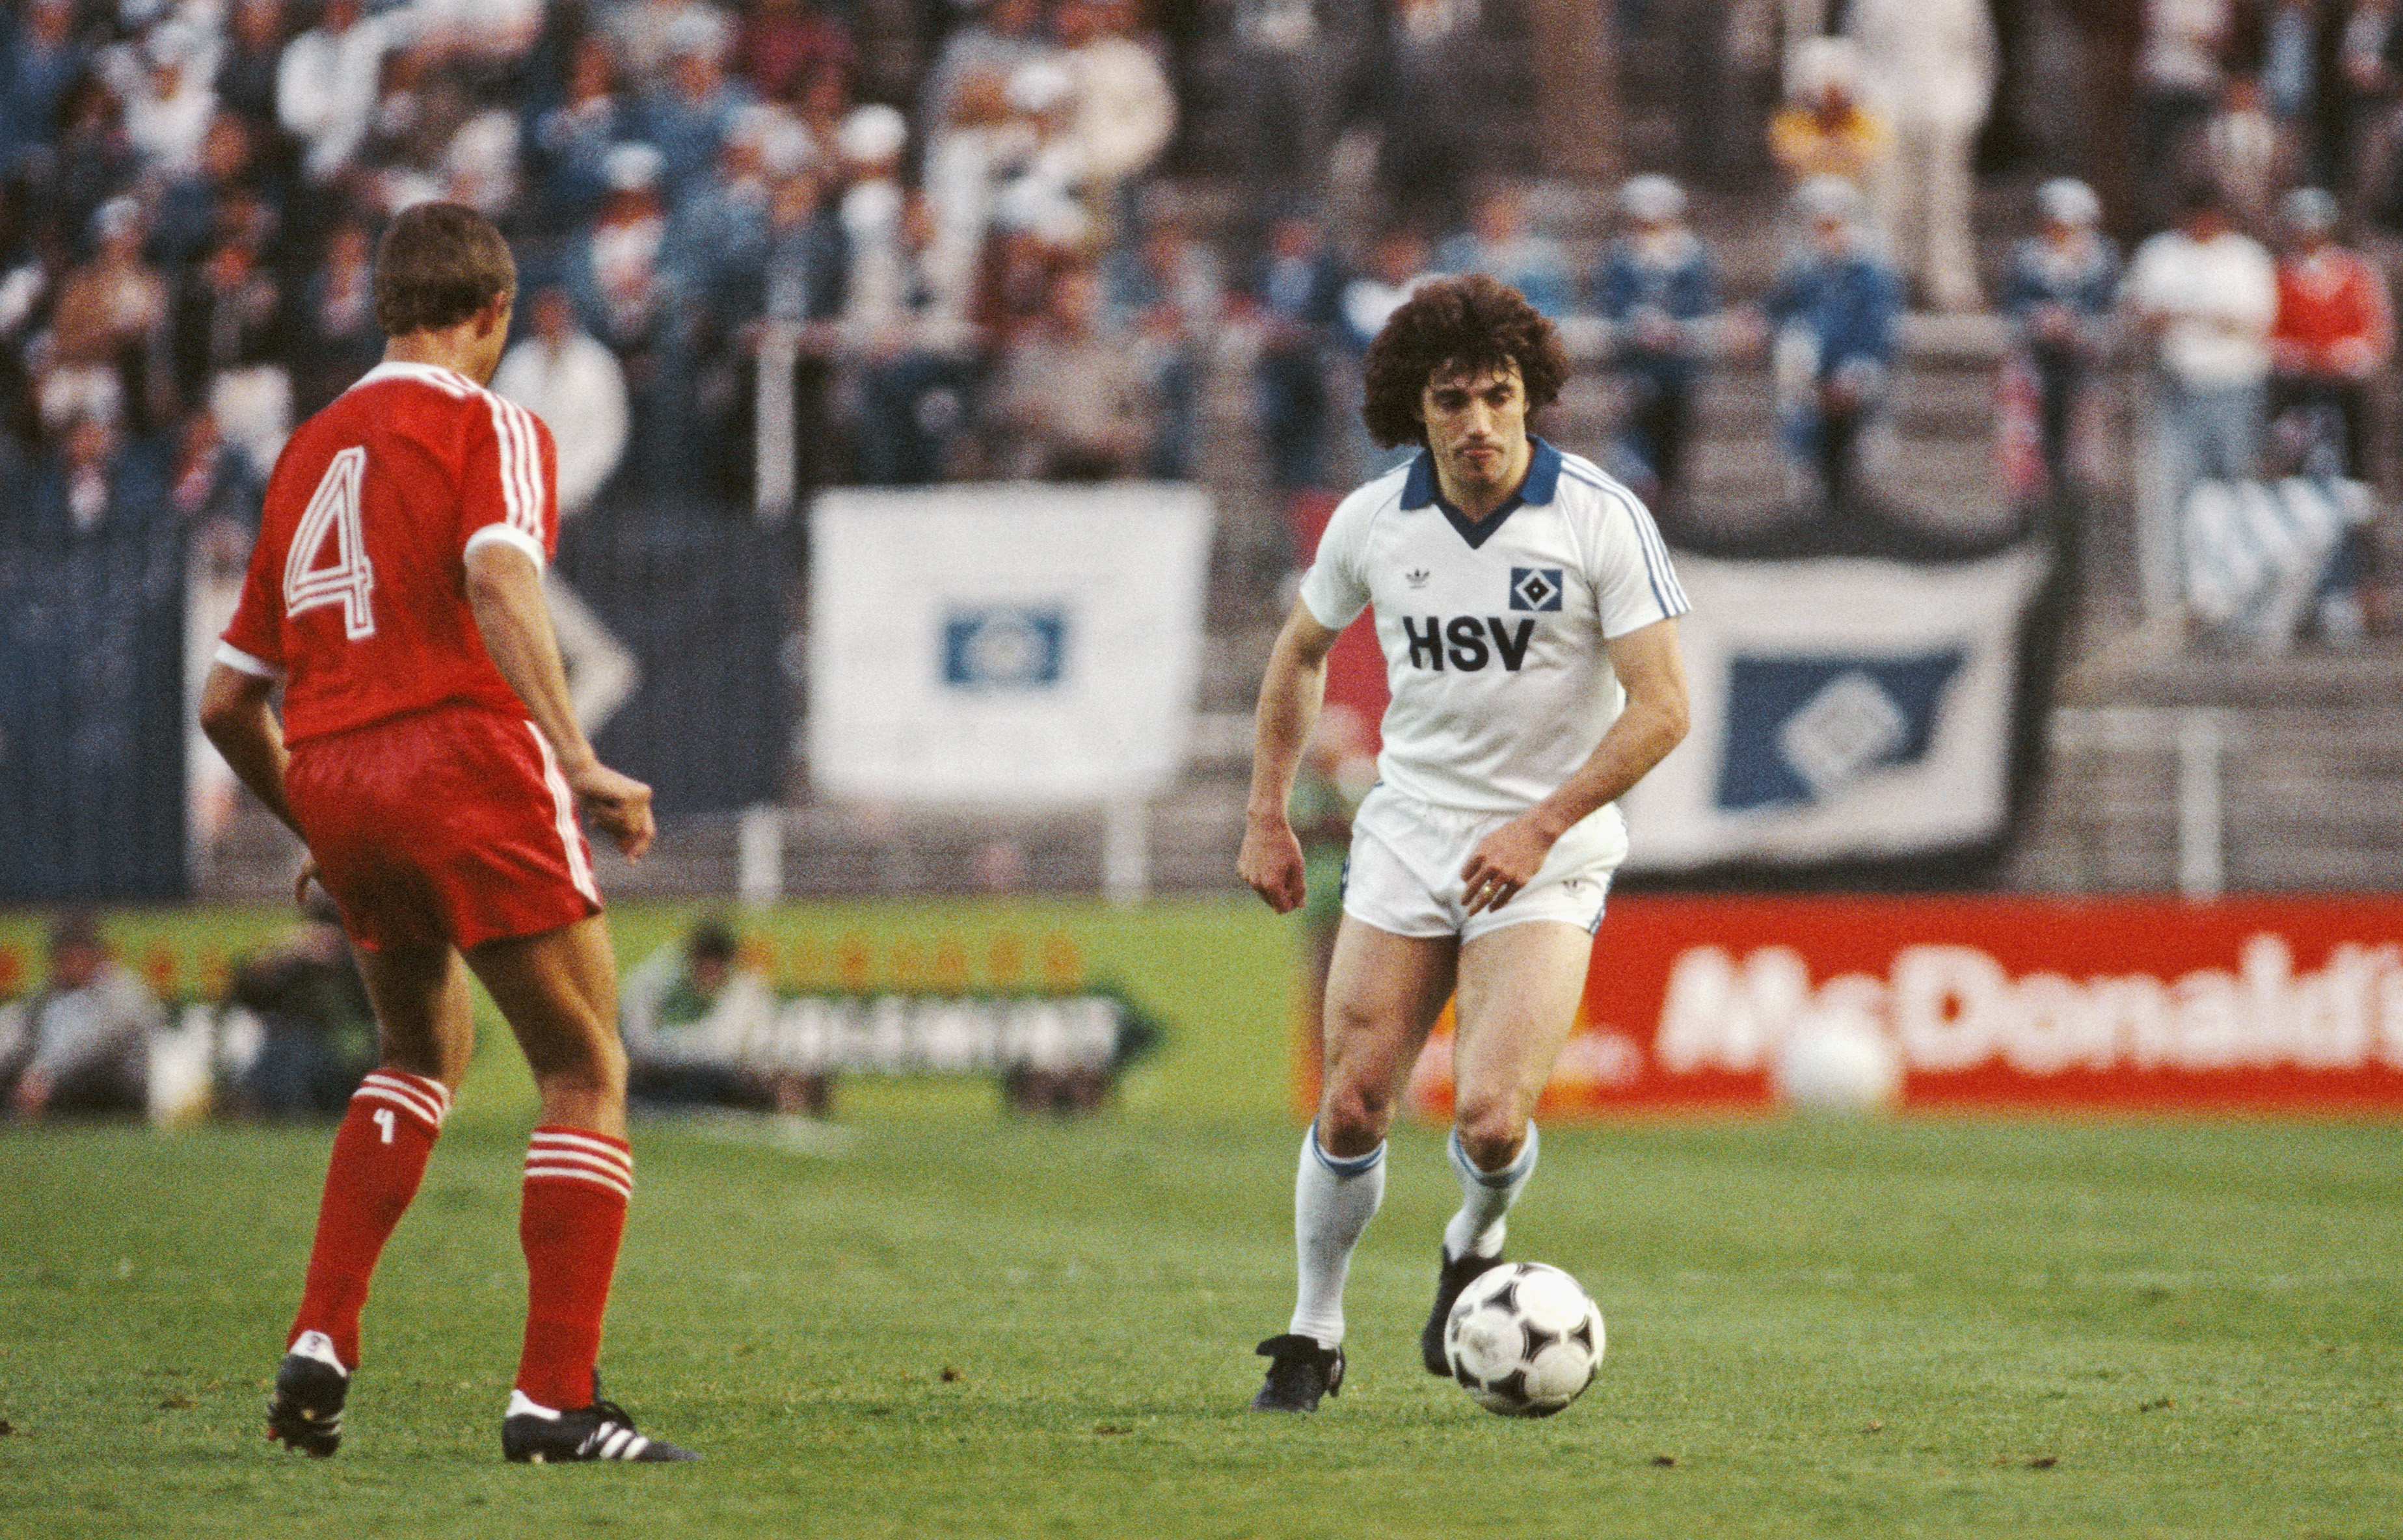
column 1470, row 322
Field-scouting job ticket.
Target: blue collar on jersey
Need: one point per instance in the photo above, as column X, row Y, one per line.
column 1542, row 481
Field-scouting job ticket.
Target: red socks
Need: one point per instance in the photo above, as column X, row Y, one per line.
column 574, row 1213
column 380, row 1157
column 576, row 1184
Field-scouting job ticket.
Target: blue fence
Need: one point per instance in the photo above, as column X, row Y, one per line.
column 92, row 735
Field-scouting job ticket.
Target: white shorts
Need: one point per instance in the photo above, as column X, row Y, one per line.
column 1403, row 873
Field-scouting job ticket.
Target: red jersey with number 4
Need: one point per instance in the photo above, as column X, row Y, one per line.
column 357, row 588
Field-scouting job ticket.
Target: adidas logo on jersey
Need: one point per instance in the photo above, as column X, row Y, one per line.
column 1468, row 642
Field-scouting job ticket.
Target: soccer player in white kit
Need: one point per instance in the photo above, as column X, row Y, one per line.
column 1527, row 610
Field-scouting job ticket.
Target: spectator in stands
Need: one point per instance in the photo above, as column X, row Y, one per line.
column 215, row 490
column 41, row 63
column 336, row 337
column 1827, row 128
column 83, row 1043
column 328, row 83
column 1932, row 64
column 2369, row 83
column 700, row 1027
column 1498, row 243
column 228, row 337
column 95, row 163
column 1004, row 35
column 1656, row 289
column 108, row 328
column 1422, row 89
column 1046, row 191
column 1287, row 90
column 2178, row 82
column 1397, row 264
column 565, row 376
column 780, row 43
column 1297, row 296
column 789, row 314
column 2292, row 78
column 165, row 84
column 2333, row 337
column 1169, row 294
column 642, row 34
column 880, row 288
column 225, row 192
column 248, row 61
column 2247, row 153
column 2205, row 296
column 2062, row 284
column 1832, row 310
column 92, row 478
column 1071, row 404
column 687, row 114
column 317, row 1033
column 914, row 369
column 1124, row 111
column 628, row 298
column 569, row 148
column 968, row 155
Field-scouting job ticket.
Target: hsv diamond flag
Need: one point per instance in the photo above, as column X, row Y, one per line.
column 1844, row 710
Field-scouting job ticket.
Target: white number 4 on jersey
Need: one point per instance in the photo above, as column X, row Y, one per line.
column 332, row 521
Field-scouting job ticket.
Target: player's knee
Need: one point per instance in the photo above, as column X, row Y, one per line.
column 1492, row 1129
column 1353, row 1120
column 595, row 1064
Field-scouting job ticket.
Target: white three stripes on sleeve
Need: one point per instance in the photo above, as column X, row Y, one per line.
column 556, row 1154
column 520, row 455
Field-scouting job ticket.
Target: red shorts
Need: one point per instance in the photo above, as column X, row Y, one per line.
column 449, row 826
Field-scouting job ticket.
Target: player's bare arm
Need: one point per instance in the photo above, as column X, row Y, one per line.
column 1654, row 721
column 237, row 713
column 505, row 592
column 1290, row 694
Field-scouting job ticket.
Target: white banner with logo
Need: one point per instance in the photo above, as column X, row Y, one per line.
column 1021, row 643
column 1843, row 709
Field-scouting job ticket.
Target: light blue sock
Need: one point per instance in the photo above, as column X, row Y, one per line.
column 1333, row 1200
column 1485, row 1199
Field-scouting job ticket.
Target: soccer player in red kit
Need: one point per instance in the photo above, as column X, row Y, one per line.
column 428, row 754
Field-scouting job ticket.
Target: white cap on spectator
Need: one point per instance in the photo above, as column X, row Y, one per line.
column 698, row 30
column 633, row 166
column 1828, row 196
column 2312, row 211
column 174, row 41
column 1039, row 85
column 871, row 133
column 1652, row 198
column 117, row 218
column 2067, row 201
column 1821, row 64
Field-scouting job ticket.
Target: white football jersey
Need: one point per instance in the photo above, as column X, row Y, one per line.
column 1493, row 631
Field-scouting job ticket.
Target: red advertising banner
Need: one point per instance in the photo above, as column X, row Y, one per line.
column 2268, row 1004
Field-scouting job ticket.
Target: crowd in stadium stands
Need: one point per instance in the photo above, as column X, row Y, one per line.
column 747, row 229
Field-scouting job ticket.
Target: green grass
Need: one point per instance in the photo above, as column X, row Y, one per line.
column 964, row 1324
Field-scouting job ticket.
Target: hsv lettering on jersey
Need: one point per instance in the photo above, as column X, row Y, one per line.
column 1495, row 632
column 356, row 591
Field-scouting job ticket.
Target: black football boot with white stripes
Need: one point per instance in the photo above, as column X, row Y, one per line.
column 537, row 1435
column 306, row 1411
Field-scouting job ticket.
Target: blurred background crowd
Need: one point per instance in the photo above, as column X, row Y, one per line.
column 796, row 243
column 1820, row 261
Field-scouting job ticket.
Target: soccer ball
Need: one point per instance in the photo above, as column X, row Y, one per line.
column 1523, row 1339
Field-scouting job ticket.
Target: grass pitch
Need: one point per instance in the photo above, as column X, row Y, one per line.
column 940, row 1320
